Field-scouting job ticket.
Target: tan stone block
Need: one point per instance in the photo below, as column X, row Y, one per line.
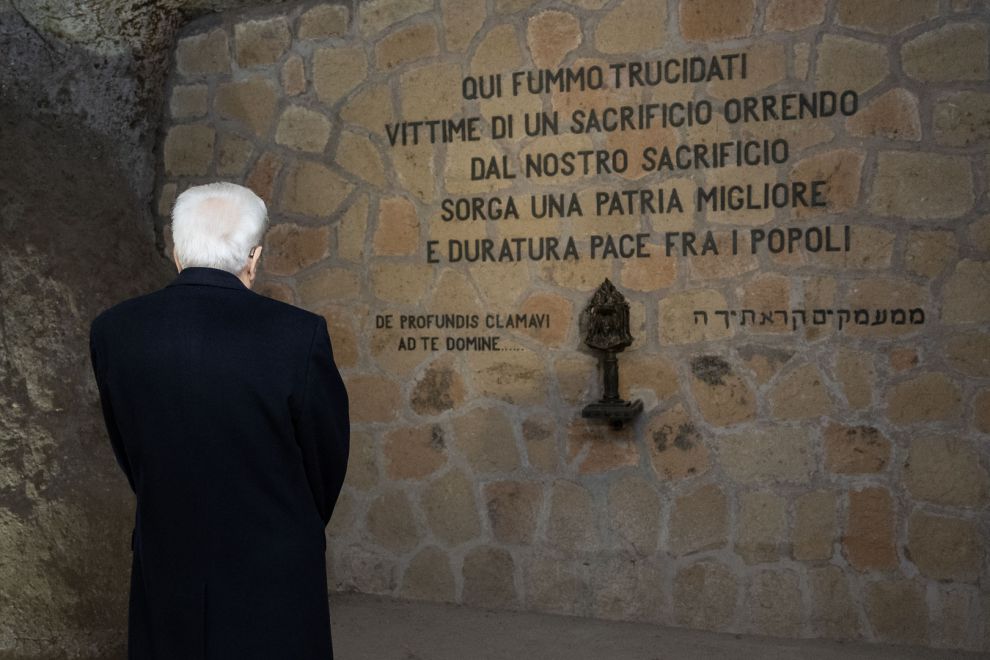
column 345, row 342
column 261, row 178
column 979, row 234
column 513, row 510
column 634, row 514
column 337, row 71
column 892, row 115
column 878, row 296
column 947, row 471
column 632, row 26
column 274, row 290
column 512, row 6
column 953, row 52
column 362, row 464
column 897, row 611
column 583, row 275
column 945, row 548
column 362, row 567
column 188, row 101
column 188, row 150
column 764, row 363
column 868, row 543
column 705, row 596
column 454, row 294
column 500, row 287
column 766, row 66
column 397, row 231
column 551, row 35
column 233, row 154
column 756, row 176
column 711, row 20
column 416, row 172
column 431, row 91
column 845, row 63
column 924, row 398
column 768, row 454
column 841, row 170
column 450, row 508
column 774, row 603
column 486, row 439
column 964, row 294
column 376, row 15
column 489, row 578
column 497, row 52
column 630, row 589
column 970, row 353
column 370, row 108
column 885, row 16
column 855, row 449
column 648, row 372
column 596, row 448
column 815, row 526
column 514, row 374
column 391, row 523
column 359, row 156
column 698, row 521
column 541, row 442
column 351, row 230
column 201, row 54
column 290, row 248
column 559, row 323
column 428, row 577
column 399, row 282
column 302, row 129
column 722, row 396
column 762, row 527
column 981, row 411
column 724, row 264
column 555, row 586
column 656, row 272
column 833, row 612
column 293, row 76
column 406, row 45
column 328, row 284
column 793, row 14
column 571, row 527
column 963, row 119
column 928, row 253
column 679, row 324
column 677, row 448
column 373, row 398
column 312, row 189
column 800, row 394
column 250, row 101
column 322, row 21
column 921, row 185
column 414, row 452
column 462, row 19
column 438, row 389
column 903, row 359
column 261, row 42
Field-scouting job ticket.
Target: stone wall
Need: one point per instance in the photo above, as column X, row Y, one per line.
column 813, row 456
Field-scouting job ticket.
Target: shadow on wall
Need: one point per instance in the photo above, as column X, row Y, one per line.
column 73, row 239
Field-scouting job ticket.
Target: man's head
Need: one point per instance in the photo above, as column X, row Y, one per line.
column 219, row 225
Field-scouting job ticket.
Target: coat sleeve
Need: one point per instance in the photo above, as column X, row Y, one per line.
column 116, row 441
column 322, row 424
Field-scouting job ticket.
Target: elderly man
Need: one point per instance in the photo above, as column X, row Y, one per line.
column 228, row 416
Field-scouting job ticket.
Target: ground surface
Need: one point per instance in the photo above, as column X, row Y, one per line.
column 374, row 628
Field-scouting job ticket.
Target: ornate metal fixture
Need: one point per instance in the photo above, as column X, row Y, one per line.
column 607, row 330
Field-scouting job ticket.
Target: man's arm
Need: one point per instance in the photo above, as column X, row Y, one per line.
column 116, row 441
column 323, row 425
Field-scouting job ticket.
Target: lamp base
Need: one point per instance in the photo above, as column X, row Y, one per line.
column 616, row 413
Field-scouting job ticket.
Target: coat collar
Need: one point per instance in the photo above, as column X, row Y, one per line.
column 203, row 276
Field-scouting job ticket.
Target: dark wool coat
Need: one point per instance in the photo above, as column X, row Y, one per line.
column 228, row 416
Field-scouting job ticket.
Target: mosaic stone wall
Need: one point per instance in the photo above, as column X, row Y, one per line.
column 813, row 355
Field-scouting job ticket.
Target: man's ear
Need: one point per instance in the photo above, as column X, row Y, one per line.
column 253, row 258
column 175, row 258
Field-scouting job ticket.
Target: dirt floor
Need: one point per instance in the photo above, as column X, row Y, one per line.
column 375, row 628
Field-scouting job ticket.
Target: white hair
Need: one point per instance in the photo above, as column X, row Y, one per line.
column 216, row 225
